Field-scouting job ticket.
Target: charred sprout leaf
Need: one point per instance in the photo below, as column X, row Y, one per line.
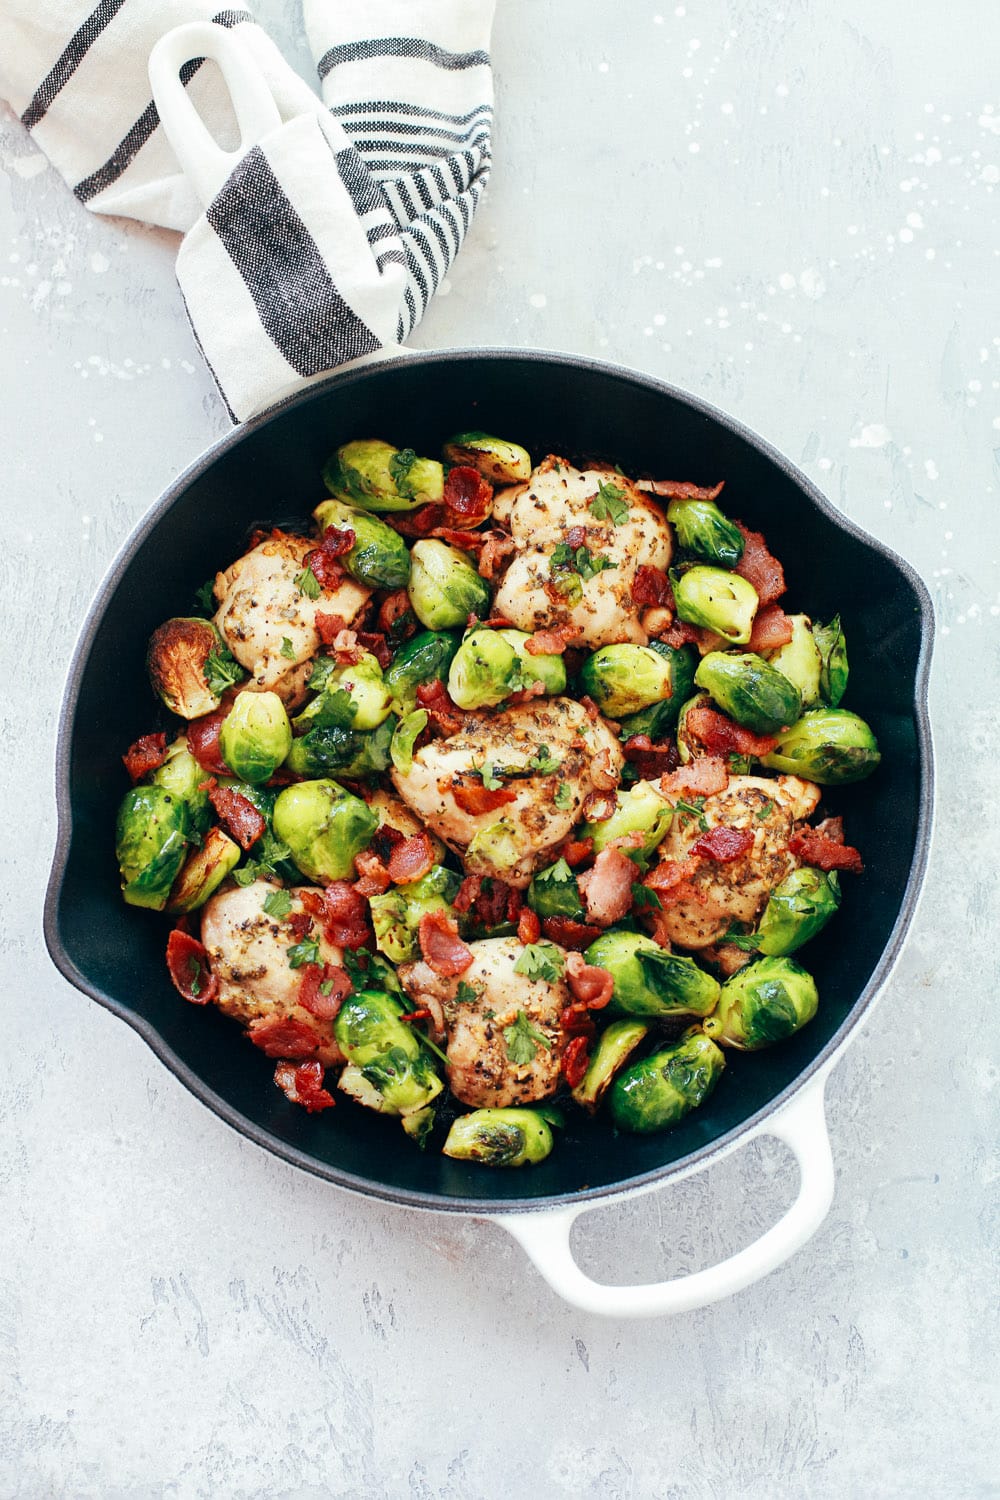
column 609, row 504
column 541, row 961
column 716, row 600
column 833, row 658
column 404, row 737
column 500, row 1137
column 496, row 459
column 405, row 1084
column 523, row 1040
column 332, row 710
column 419, row 1125
column 182, row 653
column 306, row 952
column 563, row 797
column 278, row 905
column 307, row 583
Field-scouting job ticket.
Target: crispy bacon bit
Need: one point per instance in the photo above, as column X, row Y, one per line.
column 672, row 880
column 720, row 736
column 468, row 541
column 302, row 1083
column 681, row 633
column 468, row 893
column 345, row 915
column 147, row 754
column 474, row 798
column 576, row 536
column 759, row 567
column 771, row 628
column 813, row 846
column 651, row 586
column 468, row 497
column 238, row 815
column 325, row 563
column 569, row 934
column 337, row 541
column 328, row 627
column 607, row 887
column 552, row 642
column 650, row 760
column 393, row 607
column 411, row 859
column 283, row 1036
column 591, row 985
column 373, row 877
column 375, row 642
column 724, row 844
column 323, row 990
column 189, row 969
column 575, row 1061
column 445, row 715
column 575, row 851
column 420, row 522
column 593, row 712
column 299, row 923
column 529, row 928
column 441, row 945
column 496, row 549
column 492, row 903
column 598, row 806
column 346, row 650
column 680, row 489
column 701, row 777
column 384, row 840
column 203, row 741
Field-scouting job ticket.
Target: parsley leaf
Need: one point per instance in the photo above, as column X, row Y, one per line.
column 748, row 941
column 643, row 897
column 278, row 904
column 563, row 798
column 523, row 1040
column 307, row 583
column 764, row 811
column 695, row 809
column 544, row 761
column 287, row 649
column 540, row 961
column 400, row 465
column 194, row 969
column 221, row 671
column 334, row 710
column 326, row 988
column 610, row 504
column 491, row 778
column 306, row 952
column 270, row 853
column 466, row 993
column 323, row 669
column 579, row 560
column 205, row 597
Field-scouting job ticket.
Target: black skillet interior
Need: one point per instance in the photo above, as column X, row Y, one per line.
column 551, row 404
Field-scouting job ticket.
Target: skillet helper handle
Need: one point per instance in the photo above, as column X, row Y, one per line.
column 801, row 1124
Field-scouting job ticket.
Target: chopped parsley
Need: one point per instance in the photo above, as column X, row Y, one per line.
column 523, row 1040
column 400, row 465
column 221, row 671
column 696, row 810
column 563, row 798
column 466, row 994
column 270, row 853
column 748, row 941
column 579, row 560
column 287, row 649
column 323, row 669
column 194, row 969
column 306, row 952
column 764, row 811
column 540, row 961
column 491, row 777
column 643, row 897
column 278, row 904
column 326, row 988
column 544, row 761
column 205, row 597
column 334, row 710
column 609, row 504
column 307, row 583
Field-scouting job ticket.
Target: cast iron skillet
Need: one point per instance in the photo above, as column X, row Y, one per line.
column 269, row 469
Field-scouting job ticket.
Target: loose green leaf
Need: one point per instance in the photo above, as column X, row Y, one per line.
column 541, row 961
column 466, row 994
column 695, row 809
column 307, row 583
column 306, row 952
column 278, row 904
column 404, row 737
column 222, row 671
column 610, row 504
column 287, row 649
column 563, row 798
column 270, row 853
column 491, row 780
column 645, row 899
column 336, row 711
column 205, row 597
column 326, row 988
column 194, row 969
column 523, row 1040
column 544, row 761
column 323, row 669
column 747, row 941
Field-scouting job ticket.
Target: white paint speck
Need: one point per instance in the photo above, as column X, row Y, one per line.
column 990, row 174
column 603, row 67
column 812, row 284
column 930, row 468
column 825, row 463
column 538, row 299
column 786, row 281
column 915, row 221
column 27, row 166
column 874, row 435
column 444, row 287
column 658, row 320
column 906, row 235
column 727, row 108
column 694, row 148
column 782, row 91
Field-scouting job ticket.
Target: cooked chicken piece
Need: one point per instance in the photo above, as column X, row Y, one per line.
column 248, row 954
column 480, row 1070
column 556, row 498
column 515, row 838
column 737, row 890
column 261, row 607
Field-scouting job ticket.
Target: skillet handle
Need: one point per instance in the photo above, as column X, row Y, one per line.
column 545, row 1235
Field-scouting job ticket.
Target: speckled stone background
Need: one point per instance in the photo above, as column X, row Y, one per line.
column 794, row 211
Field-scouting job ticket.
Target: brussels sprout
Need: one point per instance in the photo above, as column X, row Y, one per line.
column 548, row 668
column 749, row 690
column 379, row 556
column 403, row 1082
column 396, row 914
column 255, row 736
column 716, row 600
column 614, row 1048
column 703, row 529
column 797, row 909
column 404, row 737
column 347, row 752
column 324, row 828
column 485, row 669
column 444, row 587
column 624, row 679
column 390, row 1071
column 833, row 657
column 659, row 718
column 419, row 1124
column 800, row 660
column 500, row 1137
column 151, row 837
column 377, row 476
column 660, row 1090
column 553, row 892
column 688, row 748
column 648, row 980
column 426, row 657
column 495, row 846
column 496, row 459
column 368, row 1025
column 762, row 1004
column 204, row 871
column 355, row 1085
column 642, row 809
column 190, row 666
column 352, row 697
column 182, row 776
column 828, row 745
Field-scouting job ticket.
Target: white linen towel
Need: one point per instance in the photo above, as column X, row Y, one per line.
column 323, row 237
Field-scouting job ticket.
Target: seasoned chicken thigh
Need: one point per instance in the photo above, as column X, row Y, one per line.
column 736, row 890
column 557, row 498
column 481, row 1071
column 532, row 810
column 248, row 954
column 261, row 607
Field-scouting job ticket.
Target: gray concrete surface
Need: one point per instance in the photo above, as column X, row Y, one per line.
column 792, row 209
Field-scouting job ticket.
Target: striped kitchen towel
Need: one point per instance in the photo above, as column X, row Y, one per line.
column 323, row 236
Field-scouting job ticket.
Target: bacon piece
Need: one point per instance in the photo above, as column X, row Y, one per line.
column 590, row 984
column 203, row 741
column 575, row 851
column 593, row 712
column 375, row 642
column 598, row 806
column 346, row 650
column 325, row 563
column 468, row 497
column 650, row 760
column 529, row 928
column 474, row 798
column 337, row 541
column 759, row 567
column 299, row 923
column 411, row 859
column 468, row 892
column 345, row 915
column 680, row 489
column 672, row 882
column 283, row 1036
column 147, row 754
column 419, row 522
column 492, row 903
column 701, row 777
column 328, row 627
column 607, row 887
column 468, row 541
column 681, row 633
column 373, row 876
column 575, row 1061
column 815, row 847
column 651, row 586
column 187, row 961
column 771, row 628
column 441, row 945
column 552, row 642
column 384, row 840
column 302, row 1083
column 569, row 934
column 723, row 844
column 721, row 736
column 445, row 715
column 238, row 815
column 393, row 607
column 496, row 549
column 576, row 536
column 323, row 990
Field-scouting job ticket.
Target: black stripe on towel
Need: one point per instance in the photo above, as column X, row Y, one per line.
column 364, row 193
column 400, row 46
column 75, row 51
column 380, row 108
column 298, row 305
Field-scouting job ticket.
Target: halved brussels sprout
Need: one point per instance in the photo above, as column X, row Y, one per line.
column 624, row 679
column 762, row 1004
column 716, row 600
column 151, row 836
column 553, row 892
column 831, row 746
column 181, row 775
column 648, row 980
column 500, row 1137
column 324, row 827
column 379, row 556
column 484, row 670
column 659, row 718
column 444, row 587
column 368, row 1025
column 190, row 666
column 749, row 690
column 496, row 459
column 800, row 660
column 396, row 914
column 660, row 1090
column 423, row 659
column 703, row 529
column 255, row 736
column 204, row 871
column 548, row 668
column 404, row 1083
column 352, row 697
column 377, row 476
column 833, row 656
column 346, row 752
column 797, row 909
column 614, row 1048
column 419, row 1124
column 641, row 809
column 495, row 846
